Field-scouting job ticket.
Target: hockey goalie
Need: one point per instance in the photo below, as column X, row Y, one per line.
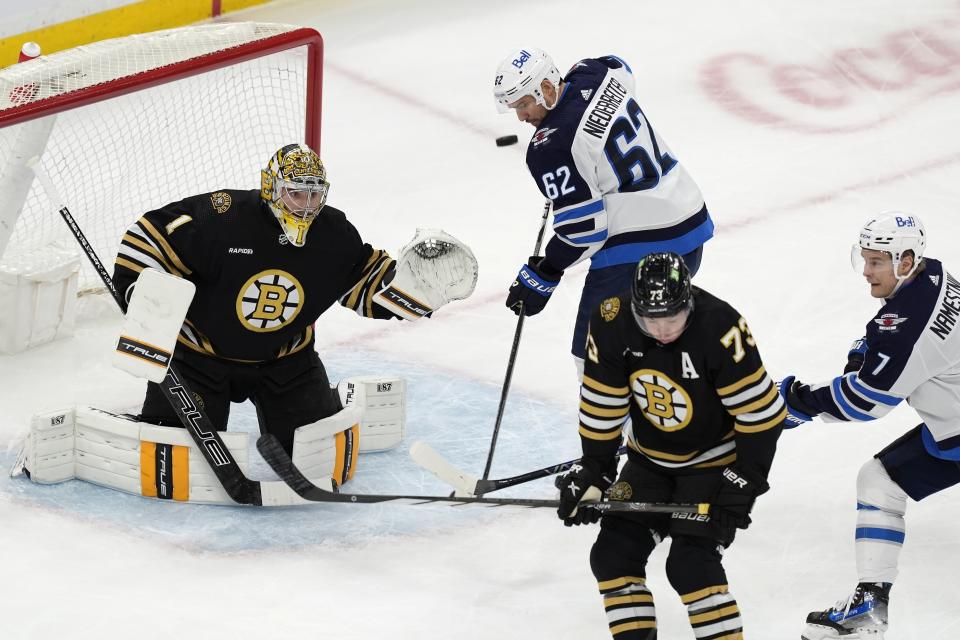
column 228, row 285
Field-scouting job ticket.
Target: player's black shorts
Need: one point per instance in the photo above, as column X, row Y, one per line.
column 287, row 393
column 643, row 481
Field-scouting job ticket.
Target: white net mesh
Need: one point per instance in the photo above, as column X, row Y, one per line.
column 115, row 159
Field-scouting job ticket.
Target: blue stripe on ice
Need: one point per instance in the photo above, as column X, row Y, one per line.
column 454, row 414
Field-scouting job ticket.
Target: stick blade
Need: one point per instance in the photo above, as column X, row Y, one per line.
column 428, row 458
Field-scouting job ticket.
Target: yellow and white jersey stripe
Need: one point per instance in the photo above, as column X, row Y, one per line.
column 754, row 402
column 603, row 408
column 360, row 296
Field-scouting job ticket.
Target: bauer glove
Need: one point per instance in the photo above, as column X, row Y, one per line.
column 858, row 351
column 734, row 500
column 798, row 411
column 584, row 482
column 533, row 287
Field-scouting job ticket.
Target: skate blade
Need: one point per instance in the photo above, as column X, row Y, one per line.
column 816, row 632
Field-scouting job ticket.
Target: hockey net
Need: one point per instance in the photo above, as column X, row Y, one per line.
column 127, row 125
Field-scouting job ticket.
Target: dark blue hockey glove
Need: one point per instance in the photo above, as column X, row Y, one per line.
column 797, row 411
column 584, row 482
column 856, row 355
column 533, row 287
column 734, row 500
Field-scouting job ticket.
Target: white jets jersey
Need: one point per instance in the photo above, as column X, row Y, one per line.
column 913, row 353
column 618, row 191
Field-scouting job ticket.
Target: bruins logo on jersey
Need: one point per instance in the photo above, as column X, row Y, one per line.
column 269, row 300
column 609, row 308
column 620, row 491
column 664, row 403
column 221, row 201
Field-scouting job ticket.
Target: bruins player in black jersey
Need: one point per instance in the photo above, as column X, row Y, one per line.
column 266, row 264
column 704, row 418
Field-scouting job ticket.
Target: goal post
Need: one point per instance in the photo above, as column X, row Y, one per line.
column 127, row 125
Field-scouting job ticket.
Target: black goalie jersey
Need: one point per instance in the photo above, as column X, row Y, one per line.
column 704, row 400
column 257, row 296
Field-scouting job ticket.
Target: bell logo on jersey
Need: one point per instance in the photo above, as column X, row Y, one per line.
column 664, row 403
column 269, row 301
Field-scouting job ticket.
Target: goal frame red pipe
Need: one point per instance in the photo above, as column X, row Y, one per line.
column 310, row 38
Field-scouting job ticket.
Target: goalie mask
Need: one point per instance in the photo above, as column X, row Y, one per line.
column 521, row 74
column 661, row 297
column 294, row 185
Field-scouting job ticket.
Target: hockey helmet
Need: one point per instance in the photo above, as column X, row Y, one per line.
column 661, row 286
column 893, row 233
column 521, row 74
column 294, row 185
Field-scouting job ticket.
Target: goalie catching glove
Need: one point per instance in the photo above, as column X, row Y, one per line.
column 584, row 482
column 432, row 269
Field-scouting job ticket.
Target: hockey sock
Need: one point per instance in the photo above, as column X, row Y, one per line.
column 881, row 528
column 629, row 607
column 714, row 614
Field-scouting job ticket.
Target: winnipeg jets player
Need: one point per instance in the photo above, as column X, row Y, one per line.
column 618, row 191
column 911, row 352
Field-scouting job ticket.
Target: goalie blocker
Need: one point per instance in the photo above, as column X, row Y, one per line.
column 118, row 452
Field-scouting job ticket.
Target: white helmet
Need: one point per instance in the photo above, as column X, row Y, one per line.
column 893, row 233
column 521, row 74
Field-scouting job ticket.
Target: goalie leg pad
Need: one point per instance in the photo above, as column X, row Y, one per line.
column 382, row 404
column 120, row 453
column 48, row 452
column 329, row 447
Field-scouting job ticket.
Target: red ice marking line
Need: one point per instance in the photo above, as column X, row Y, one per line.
column 828, row 196
column 409, row 100
column 911, row 64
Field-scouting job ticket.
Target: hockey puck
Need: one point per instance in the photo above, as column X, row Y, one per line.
column 506, row 141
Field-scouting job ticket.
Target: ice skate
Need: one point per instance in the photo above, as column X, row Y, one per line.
column 862, row 616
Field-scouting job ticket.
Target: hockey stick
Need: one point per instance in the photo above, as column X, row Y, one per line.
column 428, row 458
column 240, row 488
column 280, row 462
column 513, row 354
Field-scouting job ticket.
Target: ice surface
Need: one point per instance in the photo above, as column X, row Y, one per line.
column 798, row 120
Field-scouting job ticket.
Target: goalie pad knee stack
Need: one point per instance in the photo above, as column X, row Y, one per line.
column 329, row 447
column 382, row 405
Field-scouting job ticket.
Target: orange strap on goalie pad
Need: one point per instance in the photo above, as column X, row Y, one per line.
column 164, row 471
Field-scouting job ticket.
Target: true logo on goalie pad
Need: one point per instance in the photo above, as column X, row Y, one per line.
column 164, row 471
column 143, row 351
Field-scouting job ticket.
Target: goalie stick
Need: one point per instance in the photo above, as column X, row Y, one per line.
column 280, row 462
column 240, row 488
column 428, row 458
